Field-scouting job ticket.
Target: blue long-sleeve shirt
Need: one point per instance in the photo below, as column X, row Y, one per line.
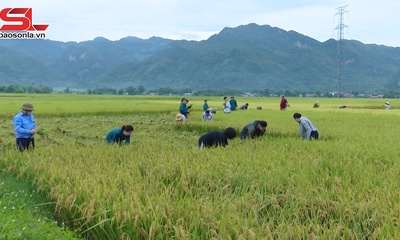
column 117, row 136
column 23, row 124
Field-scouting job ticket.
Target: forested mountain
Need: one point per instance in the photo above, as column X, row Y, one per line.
column 246, row 57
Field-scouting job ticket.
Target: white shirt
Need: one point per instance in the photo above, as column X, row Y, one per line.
column 227, row 107
column 207, row 117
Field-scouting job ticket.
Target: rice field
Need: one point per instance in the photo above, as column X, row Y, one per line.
column 161, row 186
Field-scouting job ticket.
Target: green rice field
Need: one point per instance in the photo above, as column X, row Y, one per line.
column 161, row 186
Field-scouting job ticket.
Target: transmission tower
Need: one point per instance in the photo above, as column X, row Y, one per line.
column 340, row 37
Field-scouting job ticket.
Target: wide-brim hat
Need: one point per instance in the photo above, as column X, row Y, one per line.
column 179, row 117
column 27, row 106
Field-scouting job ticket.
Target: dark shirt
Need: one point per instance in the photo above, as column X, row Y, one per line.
column 183, row 110
column 233, row 104
column 205, row 106
column 213, row 139
column 251, row 130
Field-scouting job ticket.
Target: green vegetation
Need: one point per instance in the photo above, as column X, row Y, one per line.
column 23, row 214
column 162, row 186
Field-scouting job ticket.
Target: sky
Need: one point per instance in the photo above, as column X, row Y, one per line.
column 368, row 21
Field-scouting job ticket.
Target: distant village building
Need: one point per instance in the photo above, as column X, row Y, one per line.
column 376, row 95
column 347, row 95
column 249, row 95
column 190, row 93
column 310, row 95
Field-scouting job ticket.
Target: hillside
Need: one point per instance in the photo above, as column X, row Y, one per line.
column 245, row 57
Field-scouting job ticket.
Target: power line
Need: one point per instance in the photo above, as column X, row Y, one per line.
column 340, row 37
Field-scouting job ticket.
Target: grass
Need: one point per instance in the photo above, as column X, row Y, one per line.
column 162, row 186
column 24, row 215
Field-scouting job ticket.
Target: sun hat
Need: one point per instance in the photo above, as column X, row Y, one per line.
column 179, row 117
column 27, row 106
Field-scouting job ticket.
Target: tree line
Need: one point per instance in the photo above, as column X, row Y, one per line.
column 25, row 89
column 140, row 90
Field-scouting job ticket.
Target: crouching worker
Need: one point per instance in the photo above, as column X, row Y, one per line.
column 306, row 128
column 254, row 129
column 122, row 135
column 180, row 118
column 217, row 138
column 207, row 115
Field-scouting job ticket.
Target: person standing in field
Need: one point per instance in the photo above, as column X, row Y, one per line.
column 233, row 104
column 122, row 135
column 25, row 128
column 183, row 109
column 205, row 105
column 254, row 129
column 226, row 105
column 216, row 138
column 387, row 105
column 284, row 103
column 306, row 128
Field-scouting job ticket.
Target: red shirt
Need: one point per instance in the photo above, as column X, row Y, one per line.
column 283, row 103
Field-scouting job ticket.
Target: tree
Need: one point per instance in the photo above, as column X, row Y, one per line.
column 67, row 90
column 11, row 89
column 266, row 92
column 131, row 90
column 141, row 89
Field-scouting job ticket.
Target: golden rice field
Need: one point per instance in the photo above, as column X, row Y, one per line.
column 161, row 186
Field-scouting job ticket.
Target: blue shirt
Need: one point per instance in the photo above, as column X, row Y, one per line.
column 117, row 136
column 205, row 106
column 183, row 109
column 23, row 124
column 233, row 104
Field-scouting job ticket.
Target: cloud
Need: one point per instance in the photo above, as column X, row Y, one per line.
column 369, row 21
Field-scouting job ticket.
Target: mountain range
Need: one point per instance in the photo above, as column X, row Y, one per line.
column 246, row 57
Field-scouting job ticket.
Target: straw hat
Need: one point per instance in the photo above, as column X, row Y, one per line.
column 179, row 117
